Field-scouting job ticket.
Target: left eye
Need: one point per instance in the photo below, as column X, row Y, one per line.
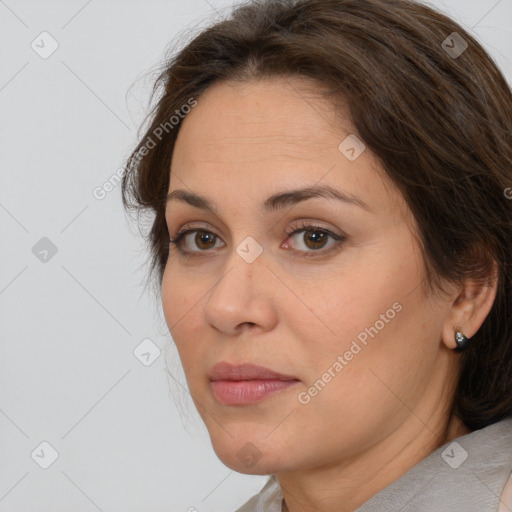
column 313, row 238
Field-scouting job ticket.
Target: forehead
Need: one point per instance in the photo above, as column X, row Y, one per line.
column 261, row 136
column 284, row 117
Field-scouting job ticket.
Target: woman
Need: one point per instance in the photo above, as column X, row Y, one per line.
column 332, row 236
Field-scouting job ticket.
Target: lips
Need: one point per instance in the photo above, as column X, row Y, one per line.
column 247, row 384
column 227, row 371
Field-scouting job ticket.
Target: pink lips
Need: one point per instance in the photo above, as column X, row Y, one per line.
column 246, row 383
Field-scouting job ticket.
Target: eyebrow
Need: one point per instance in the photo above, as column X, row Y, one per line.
column 275, row 202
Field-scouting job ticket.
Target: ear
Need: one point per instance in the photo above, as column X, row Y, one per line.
column 470, row 308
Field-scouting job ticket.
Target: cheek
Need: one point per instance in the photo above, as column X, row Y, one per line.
column 361, row 369
column 181, row 297
column 181, row 304
column 344, row 307
column 173, row 298
column 367, row 315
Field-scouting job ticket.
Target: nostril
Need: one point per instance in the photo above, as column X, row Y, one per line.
column 245, row 325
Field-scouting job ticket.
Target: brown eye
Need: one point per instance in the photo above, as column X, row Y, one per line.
column 311, row 239
column 204, row 239
column 315, row 239
column 195, row 241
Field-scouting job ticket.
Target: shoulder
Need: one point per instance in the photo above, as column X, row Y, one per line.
column 469, row 474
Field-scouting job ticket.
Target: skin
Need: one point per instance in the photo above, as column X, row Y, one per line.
column 388, row 408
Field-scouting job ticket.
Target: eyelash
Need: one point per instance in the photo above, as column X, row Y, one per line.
column 339, row 239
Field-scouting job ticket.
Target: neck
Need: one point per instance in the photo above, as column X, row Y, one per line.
column 345, row 487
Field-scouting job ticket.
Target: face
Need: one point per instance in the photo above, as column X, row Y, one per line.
column 322, row 288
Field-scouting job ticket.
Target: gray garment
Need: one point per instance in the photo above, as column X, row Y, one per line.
column 467, row 474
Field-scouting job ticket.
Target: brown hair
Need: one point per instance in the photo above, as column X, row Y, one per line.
column 440, row 124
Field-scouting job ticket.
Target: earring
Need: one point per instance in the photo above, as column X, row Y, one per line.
column 462, row 341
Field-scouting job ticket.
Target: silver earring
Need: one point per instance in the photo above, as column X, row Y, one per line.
column 462, row 341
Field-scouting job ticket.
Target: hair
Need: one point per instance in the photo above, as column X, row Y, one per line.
column 440, row 124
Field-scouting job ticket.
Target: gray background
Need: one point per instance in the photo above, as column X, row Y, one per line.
column 127, row 435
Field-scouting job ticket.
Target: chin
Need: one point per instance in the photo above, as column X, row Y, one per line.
column 246, row 457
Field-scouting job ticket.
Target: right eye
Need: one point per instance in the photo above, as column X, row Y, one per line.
column 202, row 239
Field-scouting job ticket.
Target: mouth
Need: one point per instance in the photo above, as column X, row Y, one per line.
column 247, row 383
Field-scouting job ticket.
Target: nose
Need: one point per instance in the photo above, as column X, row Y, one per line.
column 243, row 299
